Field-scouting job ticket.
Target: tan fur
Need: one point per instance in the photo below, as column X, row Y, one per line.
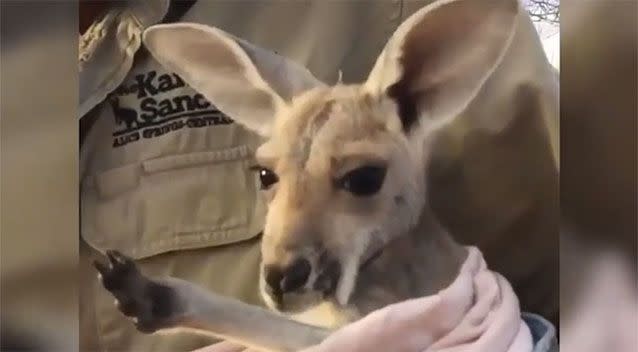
column 322, row 135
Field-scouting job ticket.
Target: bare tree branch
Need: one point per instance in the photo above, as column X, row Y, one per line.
column 543, row 10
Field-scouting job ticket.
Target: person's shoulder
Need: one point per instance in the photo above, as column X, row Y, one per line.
column 108, row 47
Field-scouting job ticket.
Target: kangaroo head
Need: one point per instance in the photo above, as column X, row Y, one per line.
column 342, row 167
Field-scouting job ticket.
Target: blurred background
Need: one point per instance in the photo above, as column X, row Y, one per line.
column 599, row 298
column 594, row 48
column 38, row 175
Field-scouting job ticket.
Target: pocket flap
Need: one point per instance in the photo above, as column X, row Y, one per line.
column 174, row 202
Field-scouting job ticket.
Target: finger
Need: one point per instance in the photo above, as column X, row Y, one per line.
column 115, row 257
column 101, row 268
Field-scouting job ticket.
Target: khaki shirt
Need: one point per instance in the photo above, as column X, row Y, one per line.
column 164, row 174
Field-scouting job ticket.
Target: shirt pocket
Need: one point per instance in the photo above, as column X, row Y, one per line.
column 173, row 202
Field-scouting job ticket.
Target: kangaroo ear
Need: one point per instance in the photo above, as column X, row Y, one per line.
column 438, row 59
column 247, row 83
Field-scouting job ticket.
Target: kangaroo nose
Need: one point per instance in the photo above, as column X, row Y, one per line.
column 288, row 279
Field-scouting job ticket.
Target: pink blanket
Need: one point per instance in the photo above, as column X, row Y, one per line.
column 477, row 312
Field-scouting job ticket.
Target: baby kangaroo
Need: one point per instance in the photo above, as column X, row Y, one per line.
column 348, row 229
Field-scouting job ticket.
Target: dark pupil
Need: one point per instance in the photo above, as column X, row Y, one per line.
column 364, row 181
column 267, row 178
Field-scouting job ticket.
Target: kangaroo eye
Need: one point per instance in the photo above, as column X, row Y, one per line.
column 364, row 181
column 266, row 176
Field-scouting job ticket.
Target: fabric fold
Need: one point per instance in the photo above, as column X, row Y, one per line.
column 478, row 312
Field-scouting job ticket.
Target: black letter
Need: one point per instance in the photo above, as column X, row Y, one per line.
column 145, row 84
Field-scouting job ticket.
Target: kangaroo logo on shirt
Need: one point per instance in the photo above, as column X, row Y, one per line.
column 123, row 115
column 155, row 113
